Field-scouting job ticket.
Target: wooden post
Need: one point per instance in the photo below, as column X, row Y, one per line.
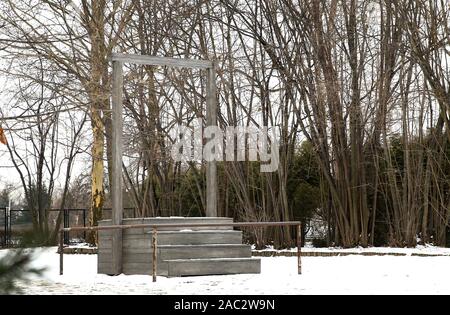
column 61, row 252
column 154, row 253
column 211, row 120
column 299, row 248
column 117, row 182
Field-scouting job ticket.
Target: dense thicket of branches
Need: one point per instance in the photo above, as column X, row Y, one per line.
column 358, row 89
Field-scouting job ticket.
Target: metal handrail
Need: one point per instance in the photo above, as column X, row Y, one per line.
column 155, row 228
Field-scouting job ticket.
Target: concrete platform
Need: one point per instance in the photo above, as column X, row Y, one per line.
column 181, row 251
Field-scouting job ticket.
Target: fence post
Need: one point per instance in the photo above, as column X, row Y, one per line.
column 8, row 228
column 84, row 224
column 299, row 248
column 5, row 228
column 61, row 252
column 66, row 225
column 155, row 255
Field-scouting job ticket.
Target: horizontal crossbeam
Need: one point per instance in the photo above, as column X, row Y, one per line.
column 162, row 61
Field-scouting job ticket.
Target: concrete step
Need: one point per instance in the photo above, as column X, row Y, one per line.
column 199, row 237
column 169, row 252
column 145, row 269
column 213, row 266
column 177, row 238
column 168, row 220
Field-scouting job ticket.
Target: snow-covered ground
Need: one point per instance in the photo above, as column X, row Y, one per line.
column 321, row 275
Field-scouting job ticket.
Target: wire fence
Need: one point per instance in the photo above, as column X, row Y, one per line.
column 16, row 223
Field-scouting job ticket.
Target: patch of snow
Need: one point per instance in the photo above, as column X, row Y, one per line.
column 81, row 245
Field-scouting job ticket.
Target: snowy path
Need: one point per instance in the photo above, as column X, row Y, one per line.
column 322, row 275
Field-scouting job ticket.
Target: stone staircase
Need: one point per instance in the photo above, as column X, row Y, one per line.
column 181, row 251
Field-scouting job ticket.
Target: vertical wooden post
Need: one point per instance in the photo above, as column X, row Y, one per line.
column 154, row 253
column 117, row 182
column 299, row 248
column 211, row 120
column 66, row 224
column 84, row 224
column 61, row 252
